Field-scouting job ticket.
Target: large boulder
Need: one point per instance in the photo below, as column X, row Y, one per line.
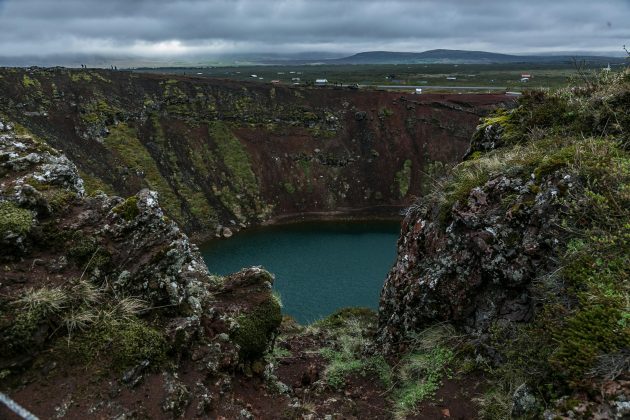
column 479, row 267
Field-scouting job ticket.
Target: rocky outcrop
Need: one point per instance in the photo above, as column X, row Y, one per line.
column 224, row 155
column 523, row 248
column 104, row 284
column 477, row 268
column 129, row 239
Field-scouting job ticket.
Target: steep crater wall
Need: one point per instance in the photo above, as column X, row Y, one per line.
column 222, row 153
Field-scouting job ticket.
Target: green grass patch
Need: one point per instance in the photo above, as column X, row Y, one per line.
column 422, row 375
column 349, row 331
column 81, row 319
column 422, row 369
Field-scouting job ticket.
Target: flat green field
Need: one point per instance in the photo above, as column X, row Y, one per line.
column 438, row 76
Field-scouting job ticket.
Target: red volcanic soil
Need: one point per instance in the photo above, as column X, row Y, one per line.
column 54, row 388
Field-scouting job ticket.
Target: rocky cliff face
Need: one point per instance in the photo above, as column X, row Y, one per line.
column 524, row 248
column 226, row 154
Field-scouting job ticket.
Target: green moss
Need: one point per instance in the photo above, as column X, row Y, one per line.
column 288, row 187
column 309, row 116
column 534, row 189
column 591, row 332
column 230, row 200
column 190, row 195
column 39, row 186
column 100, row 77
column 104, row 107
column 596, row 271
column 148, row 102
column 94, row 184
column 59, row 199
column 128, row 209
column 403, row 178
column 124, row 141
column 234, row 156
column 203, row 159
column 385, row 112
column 305, row 165
column 256, row 329
column 503, row 121
column 558, row 159
column 98, row 111
column 29, row 83
column 14, row 220
column 322, row 133
column 21, row 336
column 87, row 252
column 177, row 103
column 91, row 118
column 53, row 237
column 125, row 342
column 198, row 205
column 78, row 76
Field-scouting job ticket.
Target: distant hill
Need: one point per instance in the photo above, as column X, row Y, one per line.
column 459, row 57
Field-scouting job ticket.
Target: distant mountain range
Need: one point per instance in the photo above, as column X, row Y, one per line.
column 460, row 57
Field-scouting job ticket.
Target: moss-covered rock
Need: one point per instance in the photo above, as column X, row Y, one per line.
column 14, row 220
column 257, row 328
column 25, row 333
column 128, row 209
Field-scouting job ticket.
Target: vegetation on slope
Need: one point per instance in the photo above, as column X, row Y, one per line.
column 579, row 337
column 227, row 154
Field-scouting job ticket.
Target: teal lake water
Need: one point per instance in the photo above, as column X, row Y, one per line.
column 319, row 267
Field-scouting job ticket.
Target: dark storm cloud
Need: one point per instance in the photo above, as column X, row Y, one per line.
column 171, row 27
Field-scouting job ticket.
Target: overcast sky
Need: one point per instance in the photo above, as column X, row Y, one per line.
column 176, row 27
